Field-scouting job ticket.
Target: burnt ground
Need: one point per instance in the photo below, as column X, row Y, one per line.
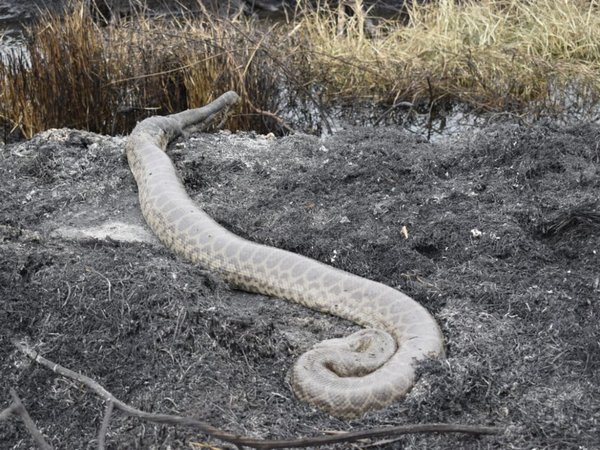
column 503, row 248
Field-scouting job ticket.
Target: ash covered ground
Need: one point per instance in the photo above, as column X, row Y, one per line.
column 502, row 246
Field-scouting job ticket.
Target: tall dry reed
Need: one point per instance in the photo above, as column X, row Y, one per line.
column 522, row 56
column 81, row 75
column 516, row 55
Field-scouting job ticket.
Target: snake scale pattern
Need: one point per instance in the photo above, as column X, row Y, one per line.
column 345, row 377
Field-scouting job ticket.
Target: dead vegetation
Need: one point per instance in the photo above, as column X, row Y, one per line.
column 493, row 55
column 17, row 408
column 77, row 74
column 502, row 246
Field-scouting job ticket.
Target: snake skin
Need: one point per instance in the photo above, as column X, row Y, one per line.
column 346, row 377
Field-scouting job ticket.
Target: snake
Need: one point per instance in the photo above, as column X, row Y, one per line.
column 345, row 377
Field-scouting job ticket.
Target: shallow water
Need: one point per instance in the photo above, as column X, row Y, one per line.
column 14, row 14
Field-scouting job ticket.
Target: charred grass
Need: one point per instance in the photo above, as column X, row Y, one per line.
column 501, row 56
column 503, row 247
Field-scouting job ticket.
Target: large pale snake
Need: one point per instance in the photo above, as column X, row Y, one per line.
column 345, row 377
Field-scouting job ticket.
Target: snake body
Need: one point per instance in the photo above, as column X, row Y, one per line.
column 345, row 377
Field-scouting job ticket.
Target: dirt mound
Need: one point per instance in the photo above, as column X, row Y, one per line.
column 496, row 233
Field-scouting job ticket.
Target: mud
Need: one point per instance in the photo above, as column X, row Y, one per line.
column 501, row 243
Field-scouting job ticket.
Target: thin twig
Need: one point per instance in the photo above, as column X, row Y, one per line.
column 238, row 440
column 324, row 116
column 390, row 109
column 431, row 105
column 273, row 116
column 22, row 412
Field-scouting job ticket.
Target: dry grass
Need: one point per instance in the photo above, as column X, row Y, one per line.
column 494, row 54
column 104, row 79
column 500, row 55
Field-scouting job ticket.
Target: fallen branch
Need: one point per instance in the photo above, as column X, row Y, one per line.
column 105, row 422
column 17, row 407
column 238, row 440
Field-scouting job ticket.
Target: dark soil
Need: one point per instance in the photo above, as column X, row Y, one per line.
column 503, row 248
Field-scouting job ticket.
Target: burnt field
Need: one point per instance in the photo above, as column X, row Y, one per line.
column 501, row 245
